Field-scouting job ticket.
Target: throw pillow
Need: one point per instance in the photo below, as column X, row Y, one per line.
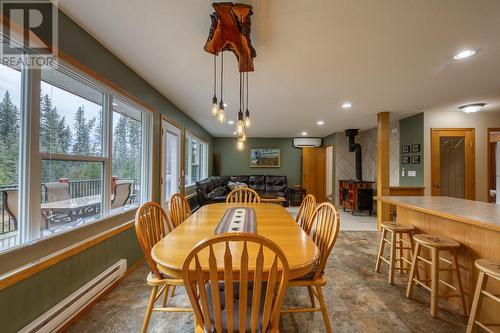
column 241, row 185
column 232, row 185
column 217, row 192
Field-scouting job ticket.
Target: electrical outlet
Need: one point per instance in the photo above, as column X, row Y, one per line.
column 412, row 173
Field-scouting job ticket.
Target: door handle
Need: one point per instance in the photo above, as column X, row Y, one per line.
column 437, row 185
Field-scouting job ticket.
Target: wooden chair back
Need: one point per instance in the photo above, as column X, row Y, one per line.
column 56, row 191
column 242, row 258
column 243, row 195
column 305, row 211
column 11, row 202
column 324, row 229
column 151, row 225
column 179, row 209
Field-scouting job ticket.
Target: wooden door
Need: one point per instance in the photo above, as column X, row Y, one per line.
column 313, row 172
column 453, row 162
column 493, row 144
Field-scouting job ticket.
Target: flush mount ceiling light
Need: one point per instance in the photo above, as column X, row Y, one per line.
column 304, row 133
column 320, row 123
column 346, row 105
column 464, row 54
column 471, row 108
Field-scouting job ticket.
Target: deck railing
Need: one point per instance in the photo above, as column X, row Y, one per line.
column 77, row 189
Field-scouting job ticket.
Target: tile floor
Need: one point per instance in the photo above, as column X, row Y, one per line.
column 359, row 300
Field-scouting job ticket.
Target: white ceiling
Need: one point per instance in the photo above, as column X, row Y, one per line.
column 385, row 55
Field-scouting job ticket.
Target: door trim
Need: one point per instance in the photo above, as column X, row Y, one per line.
column 181, row 153
column 470, row 161
column 490, row 172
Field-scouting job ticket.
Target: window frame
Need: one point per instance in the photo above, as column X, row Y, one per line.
column 188, row 137
column 31, row 156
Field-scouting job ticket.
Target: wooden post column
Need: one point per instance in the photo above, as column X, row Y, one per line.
column 383, row 164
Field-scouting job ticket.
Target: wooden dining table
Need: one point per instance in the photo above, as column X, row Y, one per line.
column 272, row 222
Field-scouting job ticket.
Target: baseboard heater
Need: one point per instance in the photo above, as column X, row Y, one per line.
column 56, row 317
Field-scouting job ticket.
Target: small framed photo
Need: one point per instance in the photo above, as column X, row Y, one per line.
column 405, row 160
column 405, row 149
column 415, row 159
column 415, row 148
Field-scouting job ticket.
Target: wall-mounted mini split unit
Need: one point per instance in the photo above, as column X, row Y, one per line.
column 306, row 142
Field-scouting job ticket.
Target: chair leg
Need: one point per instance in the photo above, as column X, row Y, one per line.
column 413, row 270
column 173, row 291
column 165, row 296
column 401, row 252
column 392, row 258
column 412, row 251
column 311, row 296
column 481, row 283
column 380, row 251
column 149, row 309
column 434, row 281
column 459, row 280
column 324, row 309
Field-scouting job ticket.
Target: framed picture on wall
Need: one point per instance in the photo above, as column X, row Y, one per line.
column 415, row 148
column 405, row 160
column 405, row 149
column 264, row 157
column 415, row 159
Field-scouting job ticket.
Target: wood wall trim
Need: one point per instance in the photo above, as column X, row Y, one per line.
column 489, row 168
column 80, row 314
column 383, row 164
column 28, row 270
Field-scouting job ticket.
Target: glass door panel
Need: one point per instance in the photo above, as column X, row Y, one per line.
column 452, row 151
column 171, row 163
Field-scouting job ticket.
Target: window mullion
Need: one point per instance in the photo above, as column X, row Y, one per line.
column 30, row 161
column 107, row 131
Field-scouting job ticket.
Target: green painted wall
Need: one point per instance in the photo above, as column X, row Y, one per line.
column 27, row 299
column 411, row 131
column 234, row 162
column 24, row 301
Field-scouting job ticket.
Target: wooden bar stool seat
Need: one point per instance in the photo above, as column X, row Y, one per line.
column 397, row 245
column 436, row 245
column 487, row 269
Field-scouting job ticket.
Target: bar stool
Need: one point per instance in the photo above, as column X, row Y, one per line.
column 436, row 244
column 487, row 268
column 396, row 242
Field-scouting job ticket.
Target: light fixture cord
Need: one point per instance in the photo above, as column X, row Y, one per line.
column 215, row 74
column 247, row 89
column 240, row 91
column 221, row 73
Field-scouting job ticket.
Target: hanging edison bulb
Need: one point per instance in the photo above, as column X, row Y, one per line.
column 247, row 119
column 221, row 114
column 240, row 145
column 242, row 136
column 215, row 107
column 240, row 125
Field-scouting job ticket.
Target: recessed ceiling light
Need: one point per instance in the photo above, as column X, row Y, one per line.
column 471, row 108
column 320, row 123
column 234, row 133
column 464, row 54
column 115, row 104
column 225, row 105
column 230, row 122
column 304, row 133
column 346, row 105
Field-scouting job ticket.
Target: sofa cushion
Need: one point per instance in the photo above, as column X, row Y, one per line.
column 273, row 194
column 217, row 192
column 235, row 185
column 257, row 183
column 239, row 179
column 276, row 183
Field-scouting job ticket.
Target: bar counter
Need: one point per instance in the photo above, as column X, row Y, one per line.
column 474, row 224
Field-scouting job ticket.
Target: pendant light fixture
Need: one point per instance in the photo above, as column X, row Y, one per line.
column 215, row 106
column 240, row 125
column 221, row 114
column 247, row 113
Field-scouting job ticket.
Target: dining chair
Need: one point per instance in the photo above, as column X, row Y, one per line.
column 10, row 200
column 245, row 267
column 243, row 195
column 323, row 229
column 56, row 191
column 305, row 211
column 151, row 225
column 179, row 209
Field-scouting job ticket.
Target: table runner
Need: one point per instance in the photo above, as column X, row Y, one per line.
column 237, row 219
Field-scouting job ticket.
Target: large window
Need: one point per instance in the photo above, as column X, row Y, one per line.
column 196, row 159
column 10, row 116
column 71, row 152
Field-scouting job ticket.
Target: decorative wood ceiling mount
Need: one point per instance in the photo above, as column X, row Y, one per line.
column 230, row 30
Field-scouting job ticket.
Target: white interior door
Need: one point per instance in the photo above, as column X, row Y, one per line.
column 171, row 161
